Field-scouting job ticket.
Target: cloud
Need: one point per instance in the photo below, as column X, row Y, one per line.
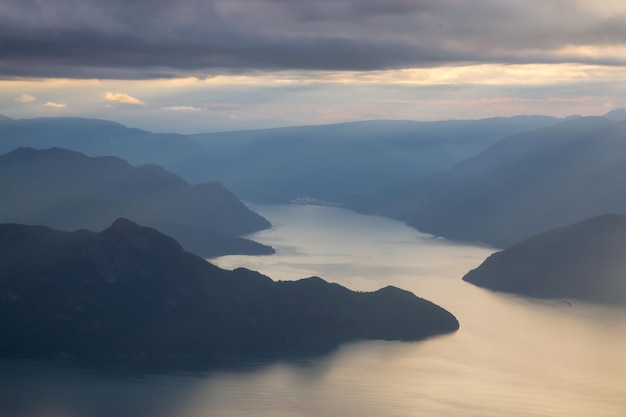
column 25, row 98
column 182, row 108
column 206, row 106
column 122, row 98
column 55, row 105
column 271, row 99
column 118, row 39
column 222, row 106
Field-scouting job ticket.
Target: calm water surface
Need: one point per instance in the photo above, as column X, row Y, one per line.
column 512, row 356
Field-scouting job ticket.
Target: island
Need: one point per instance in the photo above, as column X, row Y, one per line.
column 130, row 291
column 586, row 260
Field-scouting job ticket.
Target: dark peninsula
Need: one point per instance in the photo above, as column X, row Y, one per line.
column 586, row 261
column 131, row 291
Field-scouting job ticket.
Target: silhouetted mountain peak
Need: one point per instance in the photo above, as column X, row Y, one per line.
column 390, row 289
column 4, row 118
column 140, row 238
column 123, row 226
column 124, row 223
column 616, row 115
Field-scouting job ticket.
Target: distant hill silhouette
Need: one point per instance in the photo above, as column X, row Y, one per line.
column 522, row 185
column 96, row 137
column 132, row 291
column 68, row 190
column 586, row 260
column 331, row 162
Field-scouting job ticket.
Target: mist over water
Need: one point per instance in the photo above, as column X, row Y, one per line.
column 512, row 356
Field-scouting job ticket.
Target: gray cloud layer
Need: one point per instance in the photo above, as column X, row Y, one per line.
column 156, row 38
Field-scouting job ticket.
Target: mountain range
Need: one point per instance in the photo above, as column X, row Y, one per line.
column 68, row 190
column 326, row 163
column 495, row 181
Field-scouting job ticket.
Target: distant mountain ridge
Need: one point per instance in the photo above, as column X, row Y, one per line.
column 329, row 162
column 586, row 260
column 68, row 190
column 340, row 161
column 96, row 137
column 131, row 291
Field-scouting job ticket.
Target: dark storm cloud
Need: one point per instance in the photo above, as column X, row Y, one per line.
column 166, row 38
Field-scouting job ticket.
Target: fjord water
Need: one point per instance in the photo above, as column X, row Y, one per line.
column 511, row 357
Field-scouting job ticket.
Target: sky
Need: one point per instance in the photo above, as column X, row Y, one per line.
column 210, row 65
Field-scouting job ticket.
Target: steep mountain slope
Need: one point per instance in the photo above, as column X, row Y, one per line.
column 68, row 190
column 131, row 291
column 520, row 186
column 586, row 260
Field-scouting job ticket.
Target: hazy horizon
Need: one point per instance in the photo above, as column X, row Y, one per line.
column 252, row 127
